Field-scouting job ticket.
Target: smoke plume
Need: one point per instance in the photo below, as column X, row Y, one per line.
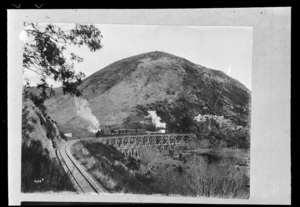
column 156, row 120
column 84, row 111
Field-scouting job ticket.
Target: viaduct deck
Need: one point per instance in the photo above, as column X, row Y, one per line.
column 131, row 144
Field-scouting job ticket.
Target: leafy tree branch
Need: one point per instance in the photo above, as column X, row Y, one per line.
column 46, row 54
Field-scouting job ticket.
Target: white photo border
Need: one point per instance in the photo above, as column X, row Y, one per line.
column 270, row 181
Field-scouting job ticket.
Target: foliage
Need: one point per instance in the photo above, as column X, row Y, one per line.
column 178, row 117
column 112, row 170
column 211, row 130
column 37, row 99
column 149, row 154
column 217, row 180
column 39, row 173
column 204, row 176
column 40, row 170
column 46, row 54
column 222, row 132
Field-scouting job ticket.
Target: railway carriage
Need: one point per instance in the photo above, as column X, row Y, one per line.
column 116, row 132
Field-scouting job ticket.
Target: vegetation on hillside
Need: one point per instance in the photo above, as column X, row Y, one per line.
column 40, row 170
column 121, row 94
column 211, row 94
column 46, row 54
column 216, row 130
column 110, row 167
column 198, row 177
column 39, row 173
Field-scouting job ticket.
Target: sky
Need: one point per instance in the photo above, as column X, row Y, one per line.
column 228, row 49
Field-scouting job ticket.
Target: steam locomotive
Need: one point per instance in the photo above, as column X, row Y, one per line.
column 116, row 132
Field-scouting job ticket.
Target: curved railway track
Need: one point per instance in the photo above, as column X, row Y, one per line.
column 81, row 179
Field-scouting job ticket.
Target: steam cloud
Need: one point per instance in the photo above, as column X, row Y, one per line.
column 84, row 111
column 156, row 120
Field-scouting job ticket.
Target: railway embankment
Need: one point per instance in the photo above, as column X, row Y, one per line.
column 41, row 170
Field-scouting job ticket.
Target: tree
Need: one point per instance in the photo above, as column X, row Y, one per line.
column 46, row 54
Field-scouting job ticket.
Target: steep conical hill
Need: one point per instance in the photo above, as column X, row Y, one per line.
column 120, row 94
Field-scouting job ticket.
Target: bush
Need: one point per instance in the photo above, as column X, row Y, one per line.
column 173, row 182
column 38, row 100
column 217, row 180
column 39, row 173
column 201, row 178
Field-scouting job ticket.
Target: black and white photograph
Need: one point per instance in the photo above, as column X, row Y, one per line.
column 110, row 109
column 136, row 109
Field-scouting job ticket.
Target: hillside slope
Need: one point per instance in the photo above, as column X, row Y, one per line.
column 120, row 95
column 40, row 138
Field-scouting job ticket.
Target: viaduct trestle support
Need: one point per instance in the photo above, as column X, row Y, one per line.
column 132, row 144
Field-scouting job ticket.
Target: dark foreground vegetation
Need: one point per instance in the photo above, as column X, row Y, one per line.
column 40, row 174
column 40, row 170
column 193, row 177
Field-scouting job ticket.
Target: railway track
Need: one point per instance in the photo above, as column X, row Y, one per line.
column 81, row 179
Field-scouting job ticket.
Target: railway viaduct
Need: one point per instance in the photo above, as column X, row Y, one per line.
column 132, row 144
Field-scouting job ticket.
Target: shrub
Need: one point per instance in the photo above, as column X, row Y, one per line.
column 217, row 180
column 199, row 178
column 39, row 173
